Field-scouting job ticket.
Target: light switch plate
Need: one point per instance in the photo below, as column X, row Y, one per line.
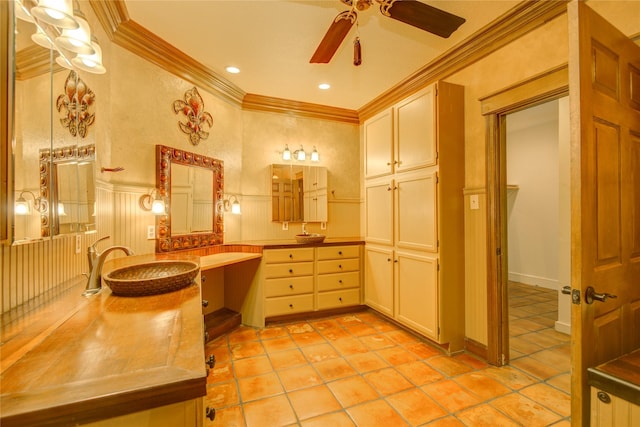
column 78, row 243
column 473, row 202
column 151, row 232
column 285, row 226
column 323, row 226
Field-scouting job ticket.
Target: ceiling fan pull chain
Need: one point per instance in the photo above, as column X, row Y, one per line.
column 357, row 52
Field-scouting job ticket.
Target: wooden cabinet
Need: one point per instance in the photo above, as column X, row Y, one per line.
column 612, row 411
column 299, row 280
column 414, row 179
column 288, row 281
column 189, row 413
column 315, row 194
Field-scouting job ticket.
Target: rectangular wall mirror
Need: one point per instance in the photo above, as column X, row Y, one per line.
column 298, row 193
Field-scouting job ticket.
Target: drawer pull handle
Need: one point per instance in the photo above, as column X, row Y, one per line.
column 290, row 286
column 340, row 281
column 339, row 252
column 339, row 265
column 291, row 256
column 290, row 305
column 340, row 299
column 604, row 397
column 291, row 270
column 211, row 413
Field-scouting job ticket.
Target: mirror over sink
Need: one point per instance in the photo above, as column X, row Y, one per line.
column 298, row 193
column 192, row 186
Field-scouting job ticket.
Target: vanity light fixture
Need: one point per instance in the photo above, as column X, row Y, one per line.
column 315, row 156
column 55, row 12
column 90, row 63
column 230, row 203
column 300, row 154
column 286, row 154
column 153, row 202
column 77, row 40
column 21, row 206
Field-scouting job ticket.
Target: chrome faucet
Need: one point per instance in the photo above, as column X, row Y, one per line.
column 304, row 228
column 96, row 261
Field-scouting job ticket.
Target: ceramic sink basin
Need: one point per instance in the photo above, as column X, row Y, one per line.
column 310, row 238
column 151, row 278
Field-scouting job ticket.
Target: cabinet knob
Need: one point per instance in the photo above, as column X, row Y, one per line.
column 339, row 265
column 604, row 397
column 205, row 303
column 339, row 252
column 291, row 270
column 389, row 188
column 395, row 260
column 291, row 256
column 340, row 299
column 211, row 361
column 203, row 279
column 290, row 286
column 340, row 281
column 211, row 413
column 290, row 305
column 388, row 163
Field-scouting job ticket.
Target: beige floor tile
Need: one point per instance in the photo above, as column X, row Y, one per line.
column 273, row 411
column 549, row 397
column 243, row 334
column 279, row 344
column 397, row 355
column 252, row 366
column 449, row 366
column 246, row 349
column 222, row 394
column 360, row 329
column 334, row 334
column 272, row 332
column 524, row 344
column 471, row 360
column 287, row 359
column 366, row 362
column 536, row 368
column 352, row 391
column 336, row 419
column 377, row 342
column 482, row 386
column 387, row 381
column 419, row 373
column 402, row 337
column 230, row 417
column 509, row 376
column 451, row 395
column 553, row 357
column 308, row 338
column 319, row 352
column 351, row 345
column 313, row 401
column 422, row 350
column 485, row 416
column 376, row 413
column 254, row 388
column 562, row 382
column 524, row 410
column 416, row 407
column 299, row 377
column 446, row 422
column 334, row 369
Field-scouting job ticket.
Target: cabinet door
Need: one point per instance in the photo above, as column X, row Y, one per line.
column 378, row 279
column 417, row 292
column 379, row 212
column 617, row 413
column 416, row 207
column 378, row 145
column 415, row 131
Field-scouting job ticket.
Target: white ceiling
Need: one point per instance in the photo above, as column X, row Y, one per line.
column 271, row 41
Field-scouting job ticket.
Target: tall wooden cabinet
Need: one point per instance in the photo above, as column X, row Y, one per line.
column 414, row 218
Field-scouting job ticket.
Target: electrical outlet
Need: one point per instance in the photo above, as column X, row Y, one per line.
column 473, row 202
column 323, row 226
column 78, row 243
column 151, row 232
column 285, row 226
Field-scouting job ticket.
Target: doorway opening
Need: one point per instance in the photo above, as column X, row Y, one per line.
column 538, row 221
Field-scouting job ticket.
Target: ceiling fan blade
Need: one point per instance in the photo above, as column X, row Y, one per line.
column 423, row 16
column 333, row 38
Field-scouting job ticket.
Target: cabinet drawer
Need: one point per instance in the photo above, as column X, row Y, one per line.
column 338, row 298
column 287, row 255
column 285, row 305
column 288, row 286
column 338, row 252
column 288, row 270
column 338, row 265
column 330, row 282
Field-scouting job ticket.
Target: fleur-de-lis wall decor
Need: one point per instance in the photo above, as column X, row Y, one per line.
column 75, row 104
column 193, row 108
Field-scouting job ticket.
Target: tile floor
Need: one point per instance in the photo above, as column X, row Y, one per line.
column 361, row 370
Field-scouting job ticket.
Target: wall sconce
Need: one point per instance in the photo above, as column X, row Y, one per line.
column 22, row 205
column 61, row 211
column 153, row 202
column 231, row 203
column 300, row 154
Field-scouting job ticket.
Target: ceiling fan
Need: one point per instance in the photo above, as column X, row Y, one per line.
column 412, row 12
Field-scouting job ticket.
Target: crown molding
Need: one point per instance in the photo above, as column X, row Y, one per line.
column 302, row 109
column 515, row 23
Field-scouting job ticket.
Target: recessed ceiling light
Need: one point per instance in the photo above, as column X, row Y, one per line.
column 324, row 86
column 233, row 70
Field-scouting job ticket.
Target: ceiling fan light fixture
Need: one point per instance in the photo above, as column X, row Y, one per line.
column 357, row 52
column 232, row 70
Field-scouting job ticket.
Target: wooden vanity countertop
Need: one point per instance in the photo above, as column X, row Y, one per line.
column 66, row 359
column 620, row 377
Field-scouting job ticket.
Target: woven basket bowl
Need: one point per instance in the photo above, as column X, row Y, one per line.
column 151, row 278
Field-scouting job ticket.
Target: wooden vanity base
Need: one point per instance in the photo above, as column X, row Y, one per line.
column 220, row 322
